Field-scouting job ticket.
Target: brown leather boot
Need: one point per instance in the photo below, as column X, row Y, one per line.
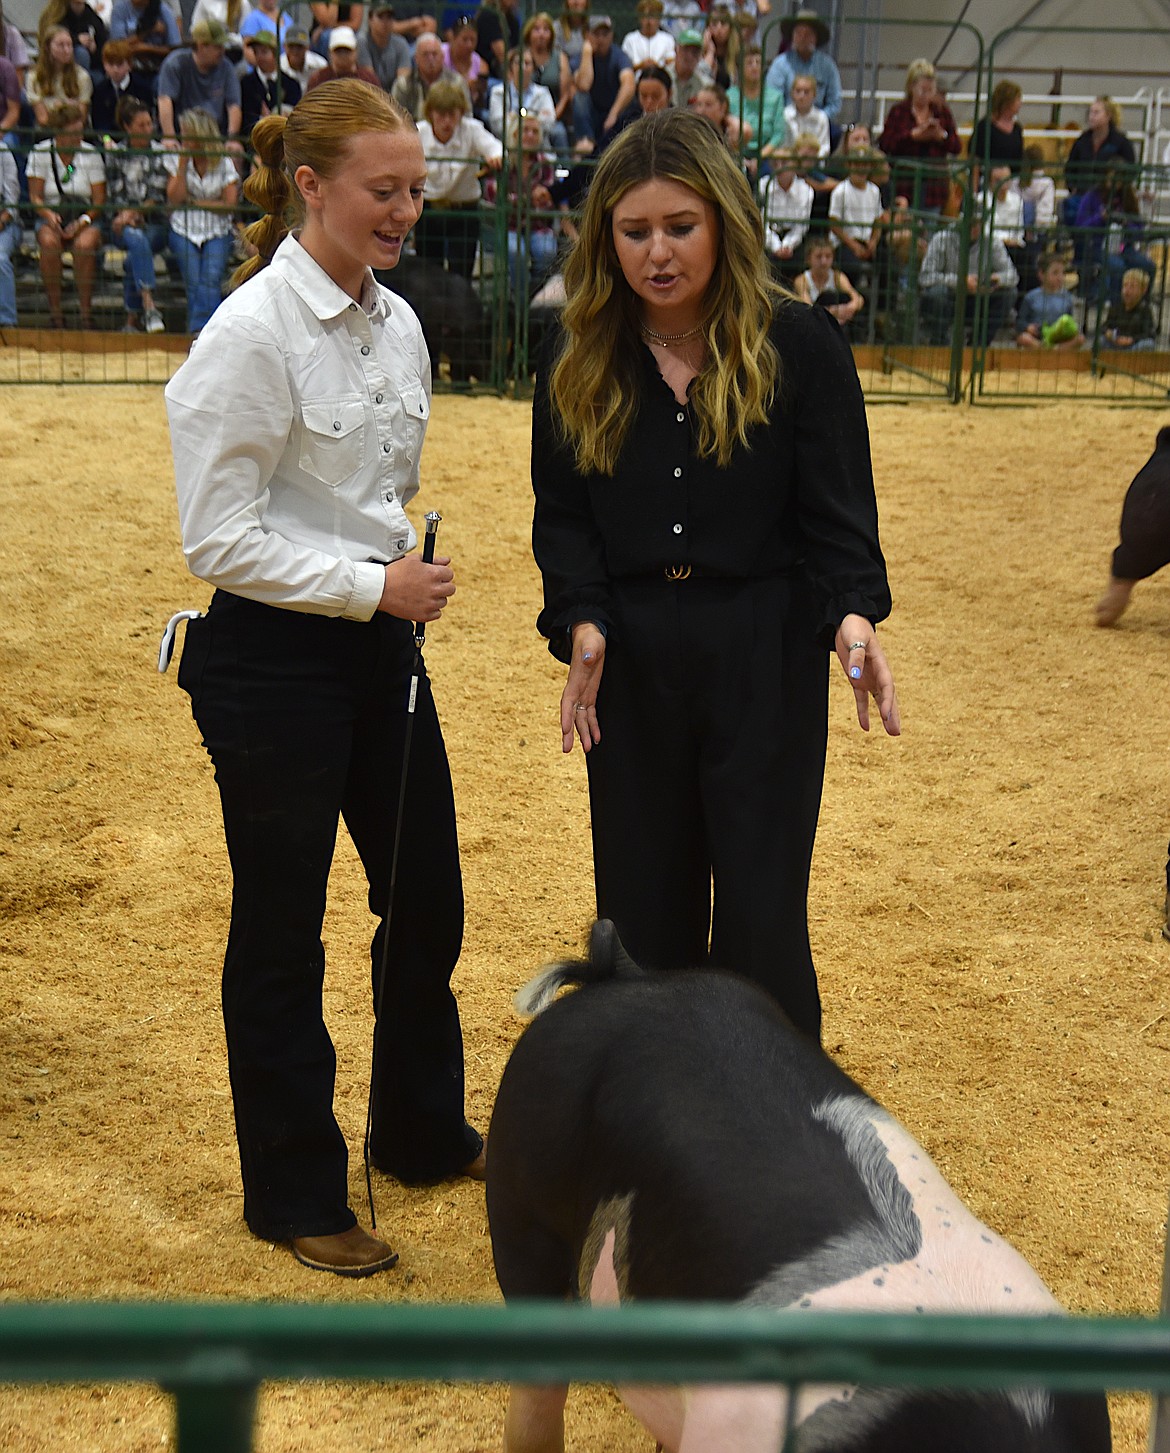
column 347, row 1253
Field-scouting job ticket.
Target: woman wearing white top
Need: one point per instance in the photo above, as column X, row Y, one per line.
column 297, row 423
column 203, row 189
column 67, row 191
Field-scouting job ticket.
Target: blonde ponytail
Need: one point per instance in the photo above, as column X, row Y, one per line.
column 270, row 188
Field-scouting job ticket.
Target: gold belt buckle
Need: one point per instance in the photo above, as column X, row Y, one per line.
column 677, row 572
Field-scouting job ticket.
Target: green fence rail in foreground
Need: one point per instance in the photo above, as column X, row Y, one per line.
column 214, row 1357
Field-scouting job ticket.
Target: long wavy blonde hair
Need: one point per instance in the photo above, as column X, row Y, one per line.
column 596, row 381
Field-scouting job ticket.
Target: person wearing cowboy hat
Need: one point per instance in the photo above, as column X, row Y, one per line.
column 807, row 35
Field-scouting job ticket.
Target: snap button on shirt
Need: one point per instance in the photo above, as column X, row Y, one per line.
column 678, row 529
column 678, row 474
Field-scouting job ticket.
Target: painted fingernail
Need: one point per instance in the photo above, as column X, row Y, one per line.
column 587, row 655
column 855, row 672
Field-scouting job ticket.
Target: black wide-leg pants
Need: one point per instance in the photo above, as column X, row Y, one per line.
column 714, row 717
column 304, row 718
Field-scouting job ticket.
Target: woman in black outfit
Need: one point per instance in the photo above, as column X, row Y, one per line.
column 706, row 528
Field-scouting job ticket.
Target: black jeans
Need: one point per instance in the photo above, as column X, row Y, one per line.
column 304, row 718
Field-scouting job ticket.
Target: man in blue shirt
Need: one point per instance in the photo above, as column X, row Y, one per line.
column 605, row 87
column 202, row 77
column 806, row 32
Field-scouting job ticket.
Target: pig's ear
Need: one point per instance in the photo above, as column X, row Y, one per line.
column 607, row 954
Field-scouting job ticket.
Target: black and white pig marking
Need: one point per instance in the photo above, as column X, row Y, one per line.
column 673, row 1137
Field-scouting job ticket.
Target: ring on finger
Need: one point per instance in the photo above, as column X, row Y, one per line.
column 580, row 707
column 857, row 646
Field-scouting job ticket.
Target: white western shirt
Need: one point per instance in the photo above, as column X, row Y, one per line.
column 297, row 423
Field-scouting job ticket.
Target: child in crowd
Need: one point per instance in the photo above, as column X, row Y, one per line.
column 711, row 102
column 1004, row 208
column 1037, row 193
column 804, row 117
column 649, row 45
column 1130, row 322
column 454, row 144
column 532, row 241
column 826, row 286
column 758, row 108
column 856, row 214
column 203, row 190
column 137, row 175
column 788, row 203
column 119, row 82
column 1046, row 318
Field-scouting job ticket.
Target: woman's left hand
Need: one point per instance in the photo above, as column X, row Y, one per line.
column 864, row 662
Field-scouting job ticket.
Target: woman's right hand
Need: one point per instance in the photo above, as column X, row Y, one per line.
column 416, row 591
column 579, row 698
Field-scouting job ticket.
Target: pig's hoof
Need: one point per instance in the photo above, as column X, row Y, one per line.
column 1112, row 604
column 476, row 1170
column 349, row 1253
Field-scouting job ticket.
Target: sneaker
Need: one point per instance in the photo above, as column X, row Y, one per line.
column 153, row 320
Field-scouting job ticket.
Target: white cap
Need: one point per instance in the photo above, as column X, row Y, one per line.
column 341, row 37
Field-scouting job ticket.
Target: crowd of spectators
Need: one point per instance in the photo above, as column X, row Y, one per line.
column 118, row 132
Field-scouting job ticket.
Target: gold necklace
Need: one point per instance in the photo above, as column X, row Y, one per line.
column 665, row 339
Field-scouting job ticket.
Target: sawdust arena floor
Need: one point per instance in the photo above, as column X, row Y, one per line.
column 985, row 906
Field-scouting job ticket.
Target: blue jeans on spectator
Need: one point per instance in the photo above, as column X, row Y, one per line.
column 938, row 312
column 528, row 266
column 9, row 242
column 141, row 244
column 202, row 269
column 587, row 118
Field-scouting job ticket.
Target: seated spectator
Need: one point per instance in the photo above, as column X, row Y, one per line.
column 454, row 144
column 411, row 21
column 264, row 90
column 151, row 27
column 1110, row 229
column 497, row 31
column 572, row 30
column 385, row 52
column 807, row 54
column 649, row 45
column 57, row 77
column 921, row 130
column 517, row 95
column 690, row 72
column 10, row 235
column 297, row 61
column 12, row 47
column 67, row 190
column 1037, row 194
column 721, row 47
column 325, row 15
column 858, row 217
column 1005, row 210
column 203, row 189
column 803, row 118
column 550, row 68
column 1130, row 321
column 998, row 138
column 1047, row 316
column 758, row 108
column 231, row 14
column 988, row 284
column 461, row 56
column 137, row 177
column 532, row 240
column 200, row 78
column 410, row 90
column 1101, row 143
column 9, row 101
column 605, row 87
column 711, row 102
column 119, row 81
column 681, row 15
column 825, row 286
column 813, row 168
column 788, row 204
column 264, row 15
column 343, row 61
column 87, row 30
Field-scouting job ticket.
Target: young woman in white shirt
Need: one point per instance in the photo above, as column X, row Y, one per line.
column 297, row 423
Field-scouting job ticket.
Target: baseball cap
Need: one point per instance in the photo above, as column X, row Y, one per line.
column 600, row 22
column 689, row 37
column 382, row 7
column 341, row 37
column 297, row 35
column 209, row 32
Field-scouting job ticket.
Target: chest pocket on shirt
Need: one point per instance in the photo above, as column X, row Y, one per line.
column 333, row 439
column 417, row 411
